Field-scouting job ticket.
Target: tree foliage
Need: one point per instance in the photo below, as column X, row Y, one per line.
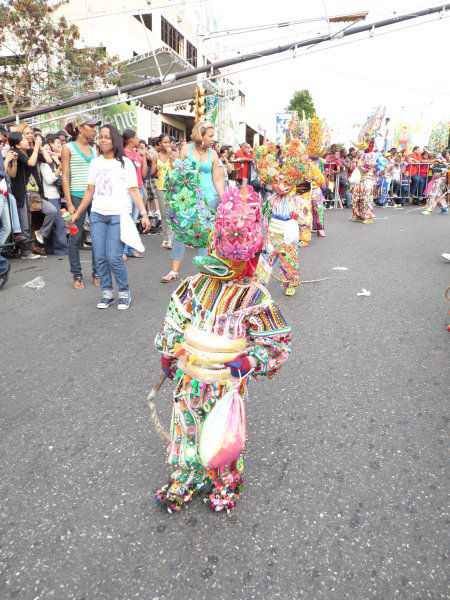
column 40, row 59
column 302, row 101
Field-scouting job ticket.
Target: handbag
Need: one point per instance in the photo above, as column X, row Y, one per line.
column 34, row 202
column 224, row 431
column 59, row 186
column 253, row 177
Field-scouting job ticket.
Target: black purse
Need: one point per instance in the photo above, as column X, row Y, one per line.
column 59, row 186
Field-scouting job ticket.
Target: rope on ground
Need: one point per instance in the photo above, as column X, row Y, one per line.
column 156, row 422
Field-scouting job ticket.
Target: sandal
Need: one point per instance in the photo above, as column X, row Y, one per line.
column 290, row 291
column 137, row 255
column 171, row 276
column 321, row 233
column 78, row 283
column 165, row 244
column 96, row 280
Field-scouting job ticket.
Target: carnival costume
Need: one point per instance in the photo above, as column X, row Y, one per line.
column 221, row 326
column 438, row 190
column 318, row 138
column 290, row 209
column 362, row 199
column 363, row 192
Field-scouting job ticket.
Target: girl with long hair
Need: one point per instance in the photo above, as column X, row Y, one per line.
column 164, row 166
column 112, row 179
column 76, row 157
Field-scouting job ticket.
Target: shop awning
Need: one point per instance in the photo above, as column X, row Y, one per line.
column 145, row 66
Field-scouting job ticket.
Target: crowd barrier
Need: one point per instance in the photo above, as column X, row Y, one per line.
column 389, row 186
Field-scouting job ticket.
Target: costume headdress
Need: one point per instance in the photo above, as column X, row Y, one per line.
column 316, row 137
column 237, row 239
column 190, row 218
column 367, row 133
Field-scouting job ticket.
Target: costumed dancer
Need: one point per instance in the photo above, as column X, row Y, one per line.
column 287, row 209
column 438, row 190
column 363, row 192
column 315, row 148
column 362, row 200
column 221, row 325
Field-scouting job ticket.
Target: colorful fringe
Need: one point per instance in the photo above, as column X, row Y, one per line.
column 175, row 494
column 288, row 256
column 225, row 492
column 362, row 200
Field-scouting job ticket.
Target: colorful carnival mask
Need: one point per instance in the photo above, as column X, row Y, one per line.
column 188, row 214
column 238, row 230
column 266, row 162
column 296, row 163
column 237, row 239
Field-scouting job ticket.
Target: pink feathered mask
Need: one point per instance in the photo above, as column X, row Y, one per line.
column 238, row 229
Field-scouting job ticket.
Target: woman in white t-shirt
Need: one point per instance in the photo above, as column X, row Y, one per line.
column 112, row 176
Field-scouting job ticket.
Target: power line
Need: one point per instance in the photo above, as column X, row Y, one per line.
column 125, row 12
column 237, row 71
column 204, row 70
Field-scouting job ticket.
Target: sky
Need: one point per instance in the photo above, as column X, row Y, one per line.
column 404, row 70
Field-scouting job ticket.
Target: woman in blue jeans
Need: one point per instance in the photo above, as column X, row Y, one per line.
column 112, row 176
column 205, row 159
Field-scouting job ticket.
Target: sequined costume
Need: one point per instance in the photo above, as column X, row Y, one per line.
column 437, row 195
column 283, row 208
column 218, row 319
column 317, row 208
column 362, row 200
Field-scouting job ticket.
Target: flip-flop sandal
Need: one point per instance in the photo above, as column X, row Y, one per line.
column 171, row 276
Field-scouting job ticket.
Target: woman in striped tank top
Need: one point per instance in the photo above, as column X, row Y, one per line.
column 76, row 157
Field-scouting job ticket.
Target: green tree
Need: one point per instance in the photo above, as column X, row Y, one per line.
column 302, row 101
column 40, row 59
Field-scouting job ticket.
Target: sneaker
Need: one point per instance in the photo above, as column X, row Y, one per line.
column 124, row 303
column 444, row 211
column 30, row 256
column 446, row 257
column 105, row 302
column 38, row 236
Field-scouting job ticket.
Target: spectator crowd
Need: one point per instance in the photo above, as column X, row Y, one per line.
column 38, row 184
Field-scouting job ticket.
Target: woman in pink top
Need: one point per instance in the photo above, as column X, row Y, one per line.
column 130, row 146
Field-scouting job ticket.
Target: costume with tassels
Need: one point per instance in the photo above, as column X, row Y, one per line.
column 362, row 198
column 290, row 207
column 220, row 327
column 318, row 138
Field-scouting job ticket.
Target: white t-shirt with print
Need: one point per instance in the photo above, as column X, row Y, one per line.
column 112, row 182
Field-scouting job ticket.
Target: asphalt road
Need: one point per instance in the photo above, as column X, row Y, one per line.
column 346, row 481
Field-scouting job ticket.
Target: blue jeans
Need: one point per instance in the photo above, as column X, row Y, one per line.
column 415, row 179
column 179, row 248
column 5, row 224
column 75, row 242
column 421, row 187
column 128, row 250
column 108, row 249
column 56, row 243
column 3, row 265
